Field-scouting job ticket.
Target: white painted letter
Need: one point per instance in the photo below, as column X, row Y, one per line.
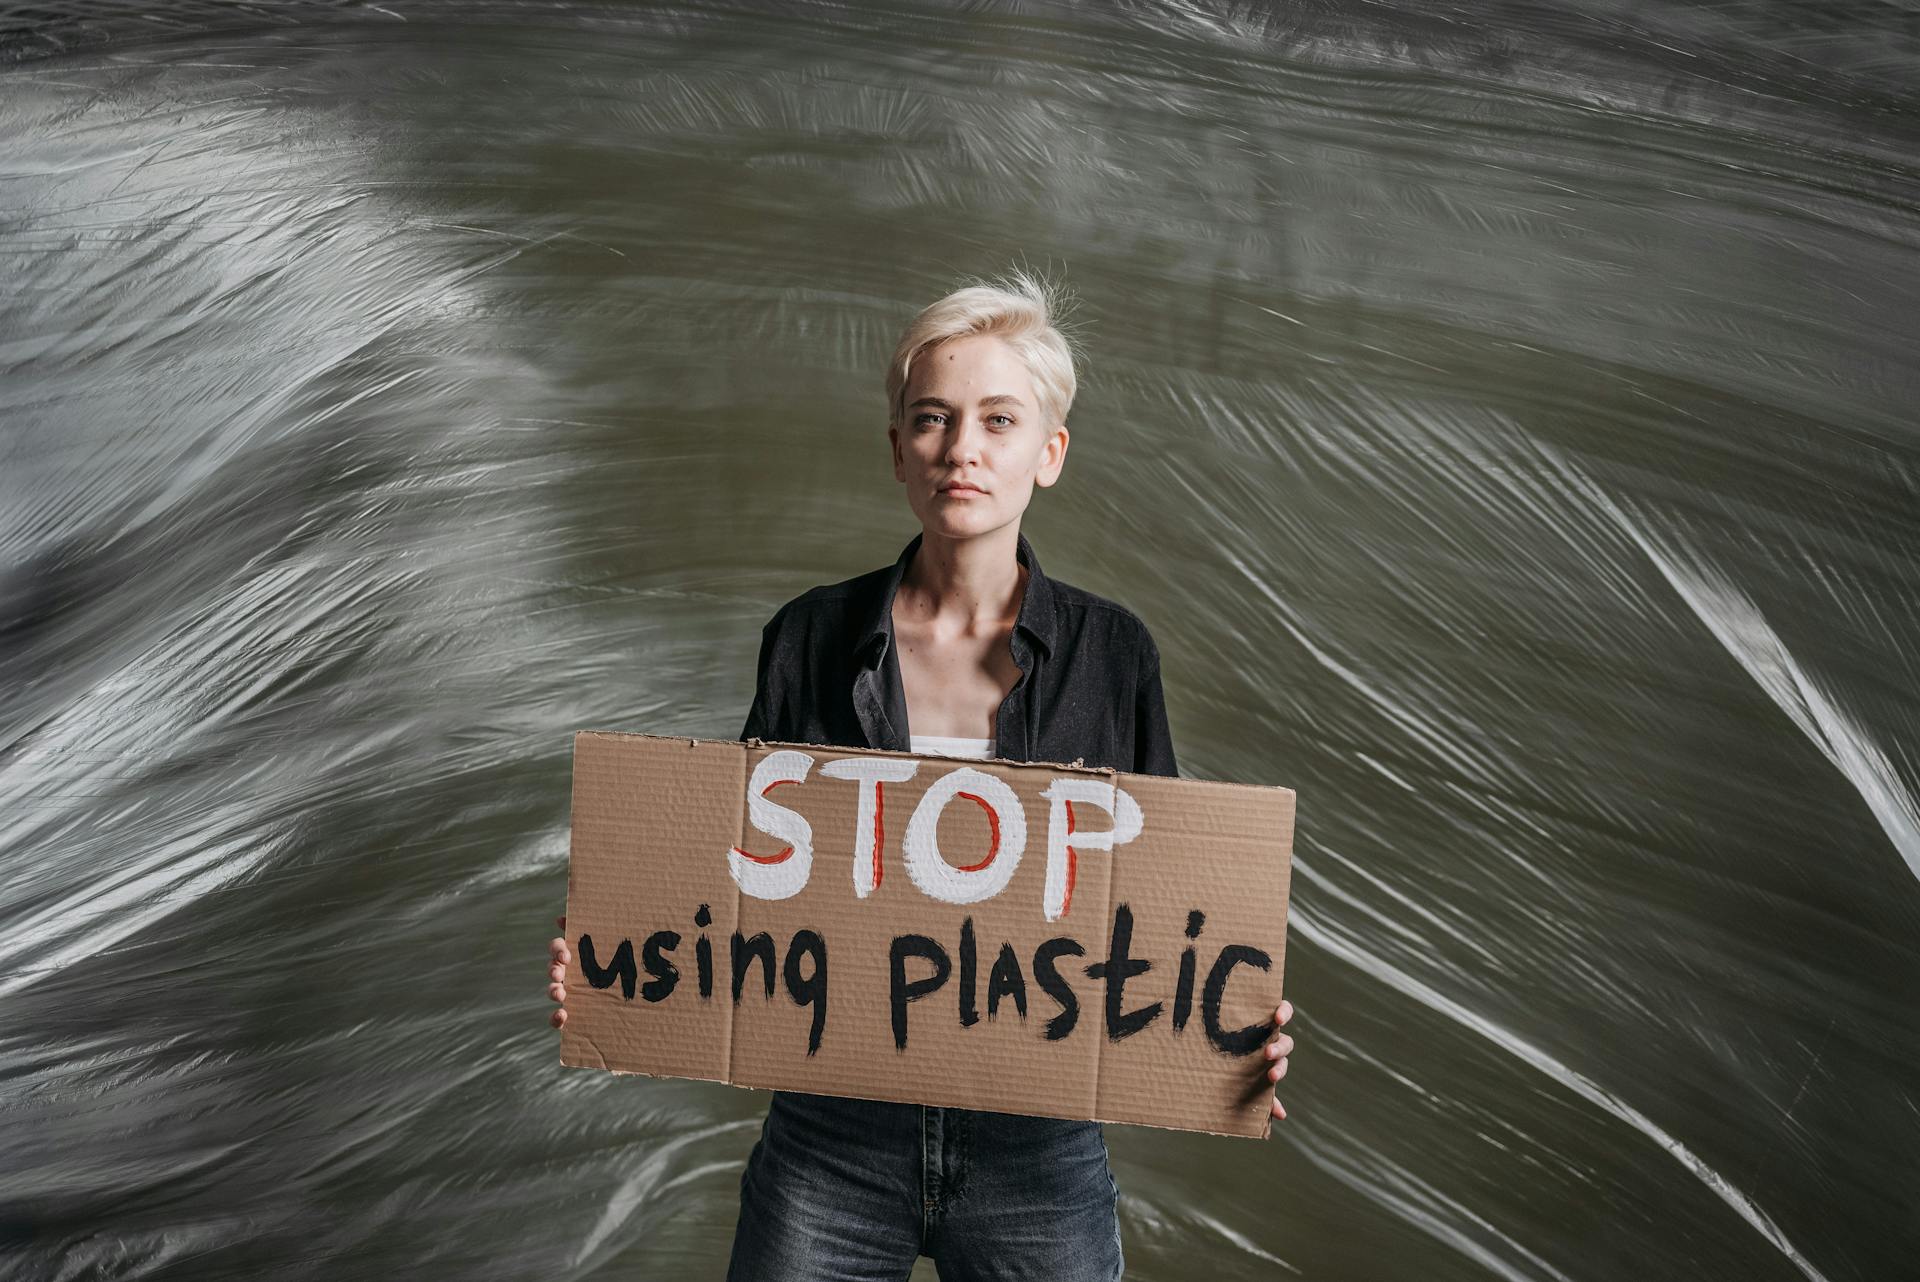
column 783, row 875
column 970, row 883
column 870, row 829
column 1060, row 854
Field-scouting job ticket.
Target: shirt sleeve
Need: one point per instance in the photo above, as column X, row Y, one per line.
column 1152, row 737
column 760, row 715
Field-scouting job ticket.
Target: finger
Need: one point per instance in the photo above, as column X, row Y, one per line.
column 1285, row 1012
column 1277, row 1072
column 559, row 951
column 1279, row 1112
column 557, row 992
column 558, row 1018
column 557, row 973
column 1280, row 1047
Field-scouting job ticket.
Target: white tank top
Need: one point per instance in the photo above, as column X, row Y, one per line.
column 933, row 745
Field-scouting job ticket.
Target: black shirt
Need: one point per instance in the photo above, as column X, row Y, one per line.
column 1088, row 690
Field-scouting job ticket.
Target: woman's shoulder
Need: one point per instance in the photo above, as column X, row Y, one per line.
column 1077, row 599
column 830, row 604
column 1088, row 616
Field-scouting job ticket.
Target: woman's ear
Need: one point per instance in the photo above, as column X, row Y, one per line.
column 1053, row 456
column 899, row 464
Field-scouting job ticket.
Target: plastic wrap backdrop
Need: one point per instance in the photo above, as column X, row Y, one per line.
column 1503, row 416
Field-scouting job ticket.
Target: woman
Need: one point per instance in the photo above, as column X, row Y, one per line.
column 961, row 647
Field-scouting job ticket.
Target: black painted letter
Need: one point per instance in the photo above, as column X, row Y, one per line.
column 703, row 952
column 969, row 976
column 1047, row 975
column 1117, row 969
column 745, row 951
column 905, row 946
column 1183, row 991
column 1241, row 1041
column 1006, row 980
column 622, row 968
column 664, row 973
column 809, row 990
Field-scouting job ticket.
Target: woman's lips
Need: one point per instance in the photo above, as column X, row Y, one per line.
column 962, row 491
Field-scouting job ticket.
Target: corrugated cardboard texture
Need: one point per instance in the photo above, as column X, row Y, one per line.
column 1199, row 896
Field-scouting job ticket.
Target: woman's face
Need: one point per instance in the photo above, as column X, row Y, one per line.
column 972, row 444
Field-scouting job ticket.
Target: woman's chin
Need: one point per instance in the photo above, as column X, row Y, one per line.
column 951, row 524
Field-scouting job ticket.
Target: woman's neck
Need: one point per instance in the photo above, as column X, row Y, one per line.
column 971, row 585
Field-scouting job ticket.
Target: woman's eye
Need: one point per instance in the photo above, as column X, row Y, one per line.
column 923, row 419
column 1001, row 420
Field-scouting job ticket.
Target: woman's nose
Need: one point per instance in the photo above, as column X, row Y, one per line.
column 963, row 442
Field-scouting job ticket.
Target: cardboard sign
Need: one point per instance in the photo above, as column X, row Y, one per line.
column 1034, row 939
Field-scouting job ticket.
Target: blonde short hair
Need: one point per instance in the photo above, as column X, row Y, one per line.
column 1020, row 311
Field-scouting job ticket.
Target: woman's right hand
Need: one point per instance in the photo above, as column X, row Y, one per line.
column 558, row 956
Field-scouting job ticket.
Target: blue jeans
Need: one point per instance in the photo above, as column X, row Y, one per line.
column 856, row 1189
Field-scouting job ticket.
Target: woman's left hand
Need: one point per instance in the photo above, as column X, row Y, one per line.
column 1278, row 1049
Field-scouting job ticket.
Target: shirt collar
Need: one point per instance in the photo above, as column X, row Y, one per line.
column 1036, row 617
